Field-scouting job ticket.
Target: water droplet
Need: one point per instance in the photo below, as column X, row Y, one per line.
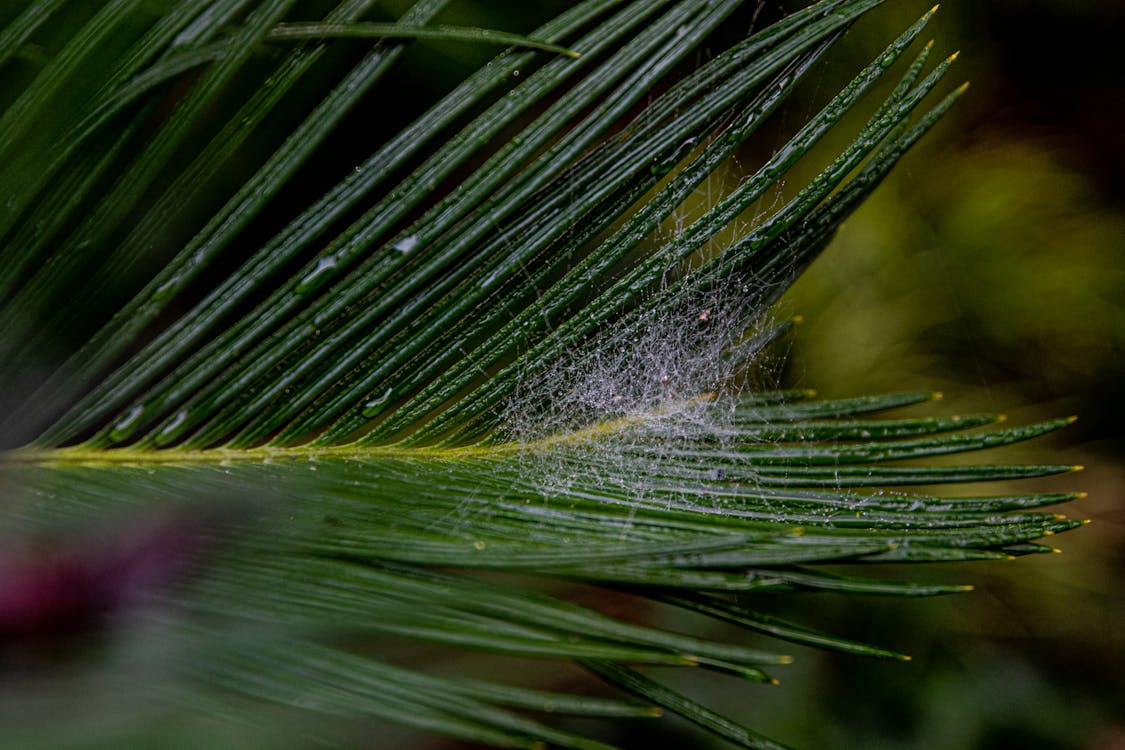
column 164, row 289
column 172, row 430
column 127, row 424
column 491, row 278
column 666, row 166
column 375, row 405
column 322, row 271
column 406, row 244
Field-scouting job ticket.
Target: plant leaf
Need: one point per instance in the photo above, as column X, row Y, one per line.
column 397, row 31
column 462, row 396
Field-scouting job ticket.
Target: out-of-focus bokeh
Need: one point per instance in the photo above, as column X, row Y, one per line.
column 991, row 266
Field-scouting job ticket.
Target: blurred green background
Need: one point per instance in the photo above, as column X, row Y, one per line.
column 990, row 266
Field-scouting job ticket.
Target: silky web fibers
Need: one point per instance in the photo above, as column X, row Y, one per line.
column 615, row 417
column 655, row 363
column 613, row 420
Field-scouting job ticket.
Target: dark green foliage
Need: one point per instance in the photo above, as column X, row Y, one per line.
column 307, row 420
